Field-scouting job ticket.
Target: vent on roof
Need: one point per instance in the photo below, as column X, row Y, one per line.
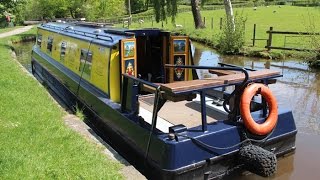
column 97, row 31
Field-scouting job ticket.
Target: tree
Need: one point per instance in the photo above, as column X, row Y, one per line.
column 171, row 11
column 164, row 9
column 229, row 13
column 77, row 8
column 137, row 5
column 196, row 14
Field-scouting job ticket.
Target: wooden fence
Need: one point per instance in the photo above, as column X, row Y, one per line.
column 271, row 32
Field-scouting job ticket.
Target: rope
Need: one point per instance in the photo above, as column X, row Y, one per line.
column 85, row 62
column 154, row 120
column 249, row 140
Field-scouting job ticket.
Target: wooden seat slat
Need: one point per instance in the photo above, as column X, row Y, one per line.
column 216, row 81
column 235, row 78
column 190, row 85
column 222, row 72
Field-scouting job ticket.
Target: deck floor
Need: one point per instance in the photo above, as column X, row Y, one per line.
column 187, row 113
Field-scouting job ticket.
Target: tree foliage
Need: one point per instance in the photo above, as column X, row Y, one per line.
column 138, row 5
column 50, row 9
column 232, row 40
column 164, row 9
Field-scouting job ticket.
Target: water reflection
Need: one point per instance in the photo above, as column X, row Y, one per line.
column 23, row 52
column 299, row 90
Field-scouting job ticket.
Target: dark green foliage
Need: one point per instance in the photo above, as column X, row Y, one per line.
column 314, row 63
column 137, row 5
column 164, row 9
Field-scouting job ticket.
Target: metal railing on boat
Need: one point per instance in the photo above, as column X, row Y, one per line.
column 79, row 32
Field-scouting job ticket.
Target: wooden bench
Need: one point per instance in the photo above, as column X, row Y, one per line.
column 189, row 86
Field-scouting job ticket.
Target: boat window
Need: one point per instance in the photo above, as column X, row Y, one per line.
column 63, row 50
column 85, row 63
column 39, row 40
column 49, row 44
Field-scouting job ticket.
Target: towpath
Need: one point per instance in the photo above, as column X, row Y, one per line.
column 72, row 121
column 15, row 31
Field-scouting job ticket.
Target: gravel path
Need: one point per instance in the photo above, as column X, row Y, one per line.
column 15, row 31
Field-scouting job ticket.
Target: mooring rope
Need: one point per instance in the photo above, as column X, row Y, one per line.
column 249, row 140
column 154, row 119
column 85, row 62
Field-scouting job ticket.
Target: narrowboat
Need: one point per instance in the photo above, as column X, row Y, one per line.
column 142, row 90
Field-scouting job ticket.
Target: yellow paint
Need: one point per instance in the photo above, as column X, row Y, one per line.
column 115, row 75
column 72, row 58
column 56, row 46
column 100, row 63
column 100, row 59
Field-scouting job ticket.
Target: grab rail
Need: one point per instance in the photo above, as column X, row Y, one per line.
column 142, row 81
column 231, row 65
column 67, row 29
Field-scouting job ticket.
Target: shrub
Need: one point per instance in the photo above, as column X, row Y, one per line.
column 232, row 40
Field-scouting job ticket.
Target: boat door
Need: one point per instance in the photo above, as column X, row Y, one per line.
column 129, row 57
column 128, row 53
column 179, row 55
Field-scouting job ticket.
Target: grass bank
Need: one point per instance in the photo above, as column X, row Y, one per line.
column 35, row 142
column 2, row 30
column 281, row 18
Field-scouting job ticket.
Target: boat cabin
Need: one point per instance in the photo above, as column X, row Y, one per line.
column 101, row 54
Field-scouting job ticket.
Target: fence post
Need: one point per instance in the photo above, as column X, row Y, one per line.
column 152, row 21
column 212, row 23
column 204, row 20
column 220, row 23
column 254, row 35
column 269, row 43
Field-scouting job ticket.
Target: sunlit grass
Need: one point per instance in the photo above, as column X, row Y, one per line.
column 281, row 18
column 79, row 112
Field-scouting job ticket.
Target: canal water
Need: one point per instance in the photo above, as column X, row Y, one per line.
column 298, row 89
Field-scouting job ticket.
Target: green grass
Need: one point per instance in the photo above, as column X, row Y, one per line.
column 2, row 30
column 286, row 18
column 34, row 141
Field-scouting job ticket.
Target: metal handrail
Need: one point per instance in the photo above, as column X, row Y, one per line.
column 141, row 81
column 231, row 65
column 78, row 31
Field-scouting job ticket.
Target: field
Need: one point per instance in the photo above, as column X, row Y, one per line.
column 35, row 143
column 281, row 18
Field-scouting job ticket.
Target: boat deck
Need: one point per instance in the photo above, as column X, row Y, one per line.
column 187, row 113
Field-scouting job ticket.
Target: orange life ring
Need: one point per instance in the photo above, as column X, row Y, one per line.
column 249, row 122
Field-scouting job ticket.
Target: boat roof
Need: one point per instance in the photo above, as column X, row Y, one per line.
column 95, row 33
